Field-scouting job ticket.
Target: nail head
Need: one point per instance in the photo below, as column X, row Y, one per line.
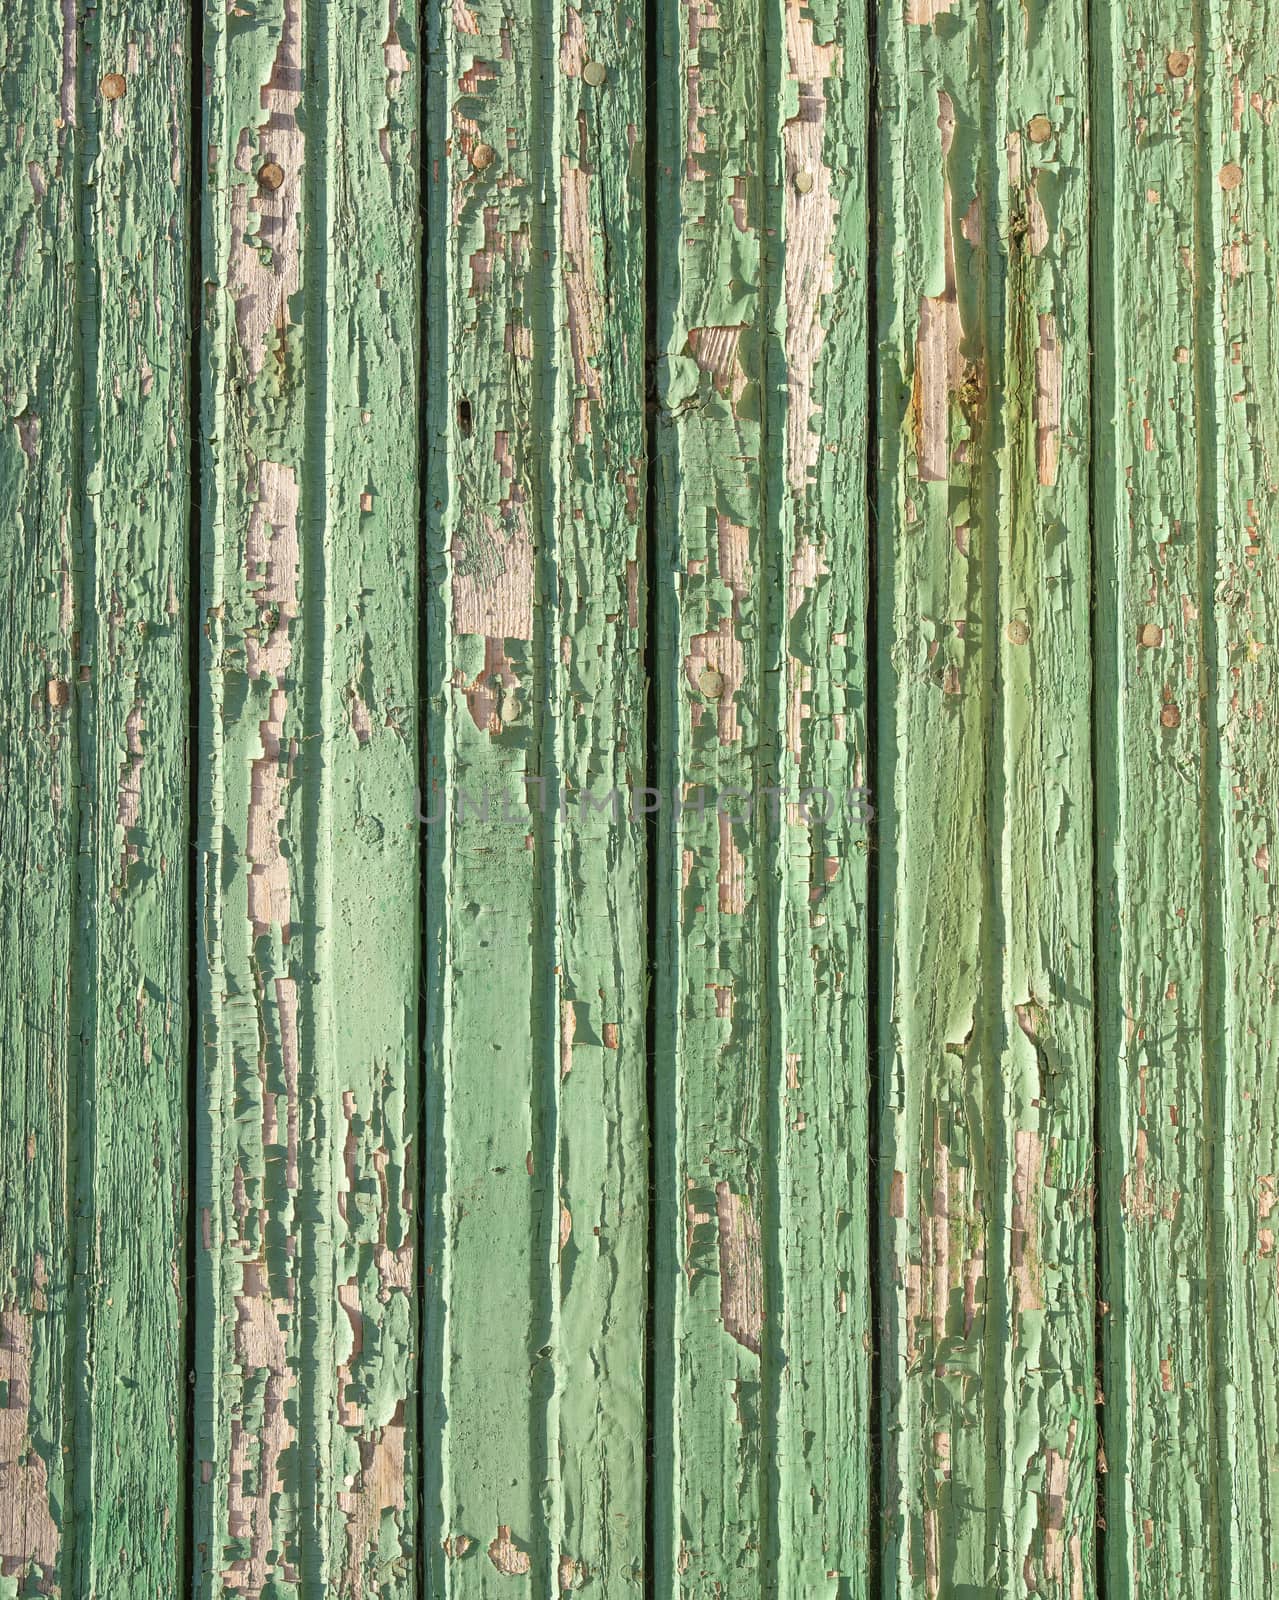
column 113, row 86
column 594, row 73
column 270, row 174
column 1178, row 63
column 1230, row 176
column 482, row 157
column 711, row 683
column 1040, row 130
column 803, row 181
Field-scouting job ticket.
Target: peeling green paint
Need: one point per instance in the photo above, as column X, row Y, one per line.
column 886, row 399
column 306, row 1348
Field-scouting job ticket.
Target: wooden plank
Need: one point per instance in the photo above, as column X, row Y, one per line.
column 536, row 1136
column 987, row 1060
column 761, row 1460
column 1042, row 805
column 39, row 800
column 94, row 483
column 1238, row 168
column 307, row 1349
column 596, row 629
column 710, row 1481
column 1160, row 1008
column 815, row 578
column 132, row 967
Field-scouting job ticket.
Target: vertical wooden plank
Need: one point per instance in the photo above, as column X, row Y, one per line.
column 1161, row 1052
column 39, row 796
column 536, row 1138
column 1238, row 175
column 940, row 1158
column 987, row 1355
column 761, row 1460
column 95, row 484
column 490, row 1022
column 597, row 616
column 131, row 970
column 816, row 590
column 712, row 1050
column 1040, row 816
column 306, row 1466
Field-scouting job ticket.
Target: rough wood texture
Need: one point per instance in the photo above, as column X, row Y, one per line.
column 920, row 441
column 1156, row 734
column 761, row 1460
column 537, row 1171
column 985, row 806
column 1187, row 910
column 94, row 506
column 307, row 1339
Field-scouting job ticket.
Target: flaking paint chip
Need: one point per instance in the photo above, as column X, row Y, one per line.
column 1230, row 176
column 113, row 86
column 594, row 73
column 270, row 174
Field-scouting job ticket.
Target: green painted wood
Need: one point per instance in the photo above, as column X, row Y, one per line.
column 713, row 984
column 307, row 1341
column 815, row 569
column 1239, row 170
column 987, row 1357
column 94, row 504
column 536, row 1169
column 1187, row 905
column 1022, row 590
column 761, row 1458
column 1161, row 1058
column 40, row 507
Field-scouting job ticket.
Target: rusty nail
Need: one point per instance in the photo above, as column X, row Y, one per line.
column 1170, row 716
column 1178, row 63
column 1018, row 632
column 1039, row 130
column 113, row 86
column 482, row 157
column 1230, row 176
column 1150, row 635
column 270, row 174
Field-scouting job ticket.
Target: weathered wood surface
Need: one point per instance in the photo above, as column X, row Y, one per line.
column 714, row 684
column 762, row 1461
column 95, row 349
column 537, row 1174
column 307, row 1340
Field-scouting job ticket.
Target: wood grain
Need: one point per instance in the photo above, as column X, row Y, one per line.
column 985, row 793
column 761, row 1436
column 95, row 500
column 537, row 1171
column 307, row 1335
